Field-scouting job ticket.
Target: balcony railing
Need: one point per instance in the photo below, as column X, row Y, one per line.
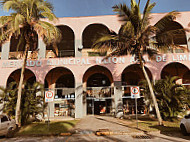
column 19, row 55
column 61, row 53
column 99, row 92
column 63, row 93
column 66, row 53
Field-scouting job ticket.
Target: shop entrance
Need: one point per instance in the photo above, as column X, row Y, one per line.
column 61, row 81
column 99, row 106
column 98, row 93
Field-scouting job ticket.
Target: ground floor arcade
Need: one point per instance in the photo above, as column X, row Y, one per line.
column 87, row 86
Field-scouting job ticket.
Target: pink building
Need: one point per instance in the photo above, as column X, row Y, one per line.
column 83, row 83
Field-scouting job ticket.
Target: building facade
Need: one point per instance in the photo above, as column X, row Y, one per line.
column 84, row 83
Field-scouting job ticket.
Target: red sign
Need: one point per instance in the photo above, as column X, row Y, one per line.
column 49, row 96
column 135, row 92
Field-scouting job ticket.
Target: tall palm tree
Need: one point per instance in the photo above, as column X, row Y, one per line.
column 135, row 35
column 25, row 21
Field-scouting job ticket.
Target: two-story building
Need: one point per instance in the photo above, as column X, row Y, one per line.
column 83, row 83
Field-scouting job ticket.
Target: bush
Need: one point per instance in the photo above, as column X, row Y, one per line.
column 31, row 101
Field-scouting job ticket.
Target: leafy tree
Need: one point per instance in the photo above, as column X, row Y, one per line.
column 172, row 98
column 31, row 102
column 24, row 22
column 135, row 36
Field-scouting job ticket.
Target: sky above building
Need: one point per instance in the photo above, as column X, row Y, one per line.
column 76, row 8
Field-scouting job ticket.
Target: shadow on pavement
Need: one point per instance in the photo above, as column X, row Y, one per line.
column 121, row 124
column 168, row 131
column 162, row 130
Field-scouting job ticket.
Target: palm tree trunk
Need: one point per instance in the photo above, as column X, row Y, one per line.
column 18, row 104
column 160, row 122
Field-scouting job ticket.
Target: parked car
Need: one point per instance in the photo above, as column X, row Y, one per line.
column 185, row 124
column 7, row 126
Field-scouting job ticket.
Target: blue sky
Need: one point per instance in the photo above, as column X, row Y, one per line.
column 75, row 8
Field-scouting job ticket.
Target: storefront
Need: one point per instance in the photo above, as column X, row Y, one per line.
column 84, row 82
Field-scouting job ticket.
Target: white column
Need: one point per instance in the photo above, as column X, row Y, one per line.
column 118, row 95
column 42, row 49
column 188, row 41
column 78, row 47
column 5, row 51
column 79, row 108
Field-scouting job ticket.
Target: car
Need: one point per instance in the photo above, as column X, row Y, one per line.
column 7, row 126
column 185, row 125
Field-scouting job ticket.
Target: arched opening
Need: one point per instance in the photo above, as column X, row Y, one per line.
column 29, row 77
column 179, row 37
column 176, row 69
column 97, row 80
column 65, row 47
column 97, row 72
column 61, row 81
column 14, row 78
column 186, row 78
column 17, row 47
column 133, row 76
column 98, row 93
column 90, row 34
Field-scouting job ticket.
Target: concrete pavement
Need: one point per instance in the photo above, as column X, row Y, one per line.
column 86, row 128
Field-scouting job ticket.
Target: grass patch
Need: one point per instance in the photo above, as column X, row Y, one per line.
column 153, row 126
column 41, row 128
column 150, row 125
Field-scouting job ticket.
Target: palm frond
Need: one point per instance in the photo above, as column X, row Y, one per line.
column 161, row 24
column 11, row 4
column 47, row 31
column 146, row 14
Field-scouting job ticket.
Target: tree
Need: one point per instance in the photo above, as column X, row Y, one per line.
column 25, row 21
column 135, row 36
column 172, row 97
column 31, row 101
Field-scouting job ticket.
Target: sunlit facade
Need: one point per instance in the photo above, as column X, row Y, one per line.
column 83, row 83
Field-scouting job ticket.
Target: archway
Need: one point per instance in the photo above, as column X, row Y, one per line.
column 132, row 76
column 179, row 37
column 29, row 77
column 17, row 46
column 61, row 80
column 176, row 69
column 90, row 34
column 66, row 46
column 97, row 81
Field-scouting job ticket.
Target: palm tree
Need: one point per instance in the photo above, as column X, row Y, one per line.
column 31, row 101
column 25, row 21
column 172, row 97
column 135, row 35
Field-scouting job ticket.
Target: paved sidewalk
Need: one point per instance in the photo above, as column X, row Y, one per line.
column 89, row 125
column 94, row 123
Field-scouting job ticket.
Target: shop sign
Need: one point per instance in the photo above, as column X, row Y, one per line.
column 89, row 61
column 135, row 92
column 49, row 96
column 18, row 64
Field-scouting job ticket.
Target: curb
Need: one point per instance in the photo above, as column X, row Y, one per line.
column 105, row 133
column 65, row 134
